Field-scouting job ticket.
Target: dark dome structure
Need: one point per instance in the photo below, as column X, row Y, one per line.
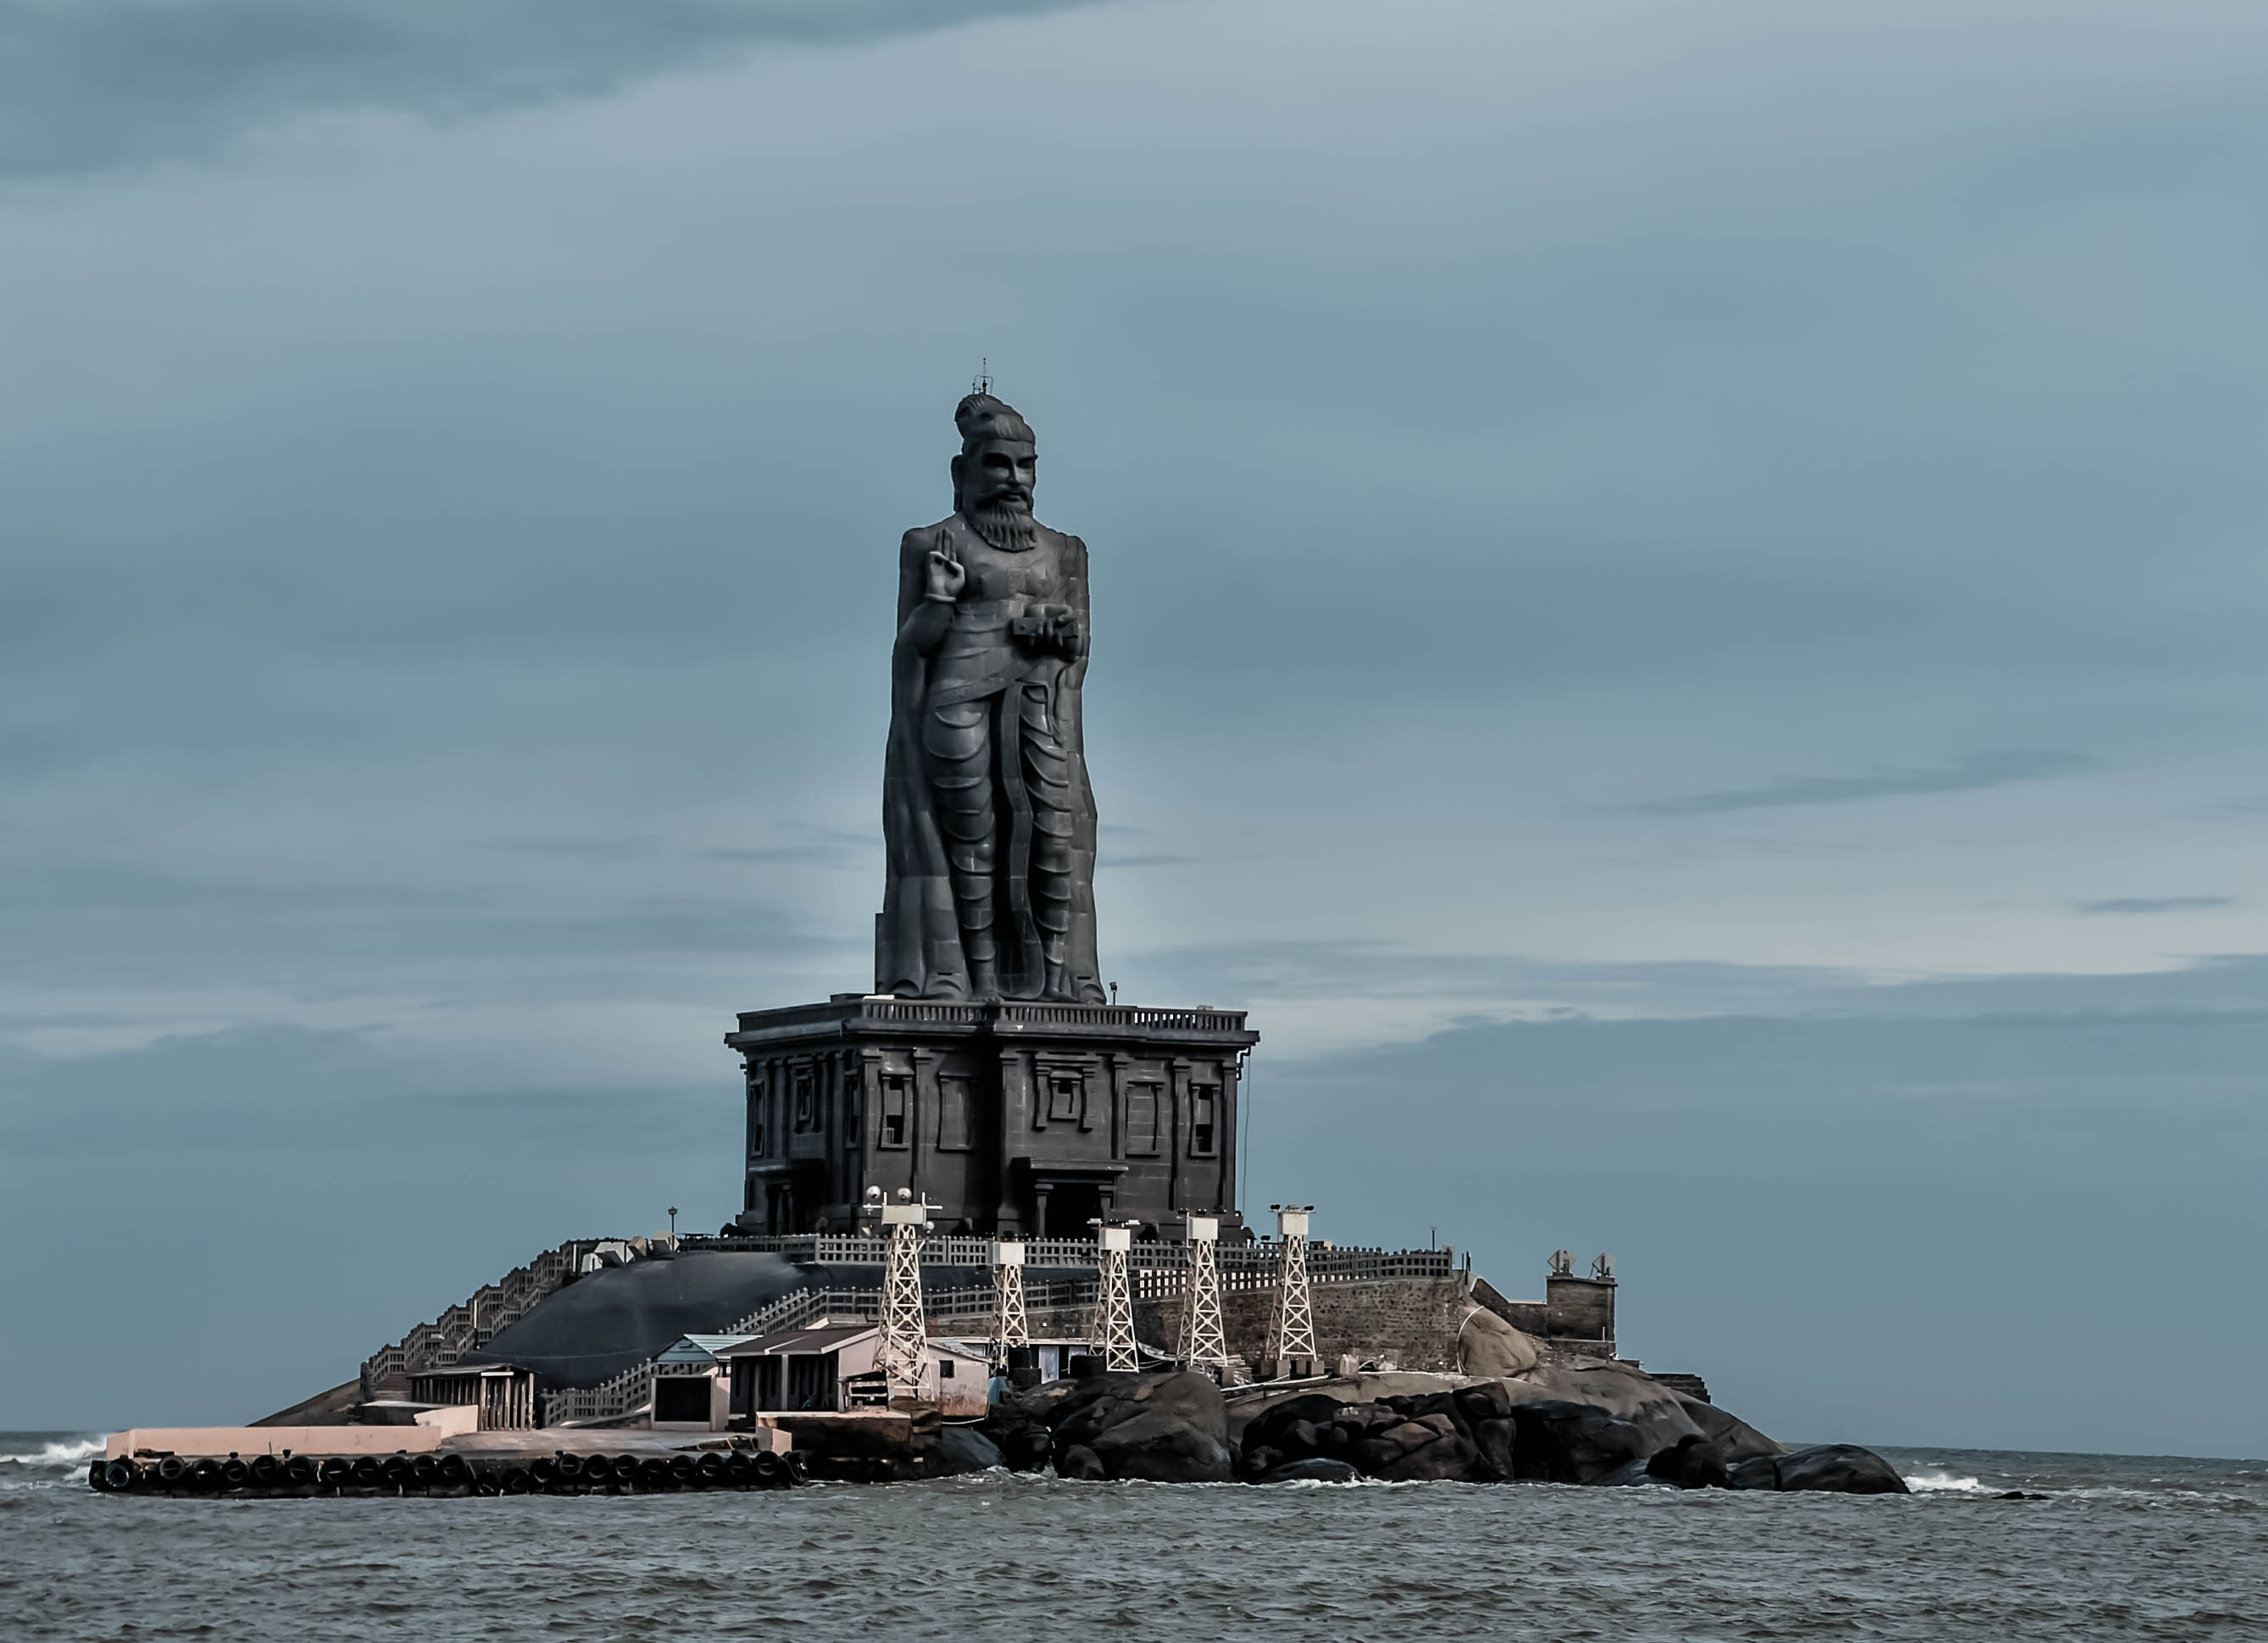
column 605, row 1320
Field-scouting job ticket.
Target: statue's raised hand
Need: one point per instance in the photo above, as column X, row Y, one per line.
column 946, row 575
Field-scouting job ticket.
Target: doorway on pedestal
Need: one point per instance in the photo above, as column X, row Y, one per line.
column 1065, row 1208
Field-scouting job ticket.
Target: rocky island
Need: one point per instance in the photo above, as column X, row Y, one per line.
column 990, row 1217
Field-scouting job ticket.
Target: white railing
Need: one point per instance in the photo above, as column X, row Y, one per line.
column 1156, row 1271
column 1324, row 1265
column 614, row 1398
column 1008, row 1014
column 468, row 1327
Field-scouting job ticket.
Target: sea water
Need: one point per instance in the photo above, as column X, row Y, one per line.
column 2120, row 1547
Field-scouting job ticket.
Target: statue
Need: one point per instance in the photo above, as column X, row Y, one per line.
column 987, row 819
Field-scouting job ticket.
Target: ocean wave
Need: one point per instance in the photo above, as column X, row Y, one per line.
column 1944, row 1480
column 70, row 1452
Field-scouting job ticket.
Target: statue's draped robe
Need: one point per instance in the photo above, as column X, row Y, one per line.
column 979, row 689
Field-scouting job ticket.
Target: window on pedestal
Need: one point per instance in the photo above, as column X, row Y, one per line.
column 1064, row 1090
column 954, row 1122
column 1143, row 1101
column 897, row 1109
column 758, row 1138
column 806, row 1101
column 1205, row 1119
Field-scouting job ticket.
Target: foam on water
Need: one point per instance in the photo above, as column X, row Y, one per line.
column 1942, row 1480
column 67, row 1450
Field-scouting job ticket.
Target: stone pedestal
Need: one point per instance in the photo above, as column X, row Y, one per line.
column 1016, row 1117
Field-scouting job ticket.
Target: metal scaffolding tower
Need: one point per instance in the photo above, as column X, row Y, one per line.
column 1114, row 1300
column 901, row 1355
column 1293, row 1338
column 1205, row 1345
column 1009, row 1330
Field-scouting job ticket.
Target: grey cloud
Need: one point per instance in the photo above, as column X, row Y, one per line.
column 1858, row 1162
column 91, row 83
column 205, row 1146
column 2219, row 986
column 1156, row 860
column 2122, row 905
column 597, row 849
column 1978, row 770
column 1370, row 969
column 829, row 848
column 147, row 891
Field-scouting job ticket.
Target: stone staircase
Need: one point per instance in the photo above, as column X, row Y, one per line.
column 467, row 1328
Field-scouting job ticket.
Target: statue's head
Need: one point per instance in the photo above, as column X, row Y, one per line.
column 996, row 470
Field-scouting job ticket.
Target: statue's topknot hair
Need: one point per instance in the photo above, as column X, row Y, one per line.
column 980, row 417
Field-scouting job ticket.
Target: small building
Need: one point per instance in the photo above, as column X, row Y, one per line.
column 503, row 1393
column 832, row 1370
column 691, row 1390
column 1051, row 1355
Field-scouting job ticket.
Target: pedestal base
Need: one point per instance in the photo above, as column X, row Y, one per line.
column 1013, row 1117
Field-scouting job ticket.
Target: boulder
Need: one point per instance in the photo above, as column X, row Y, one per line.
column 1439, row 1410
column 1111, row 1399
column 1291, row 1426
column 1761, row 1471
column 1497, row 1441
column 1615, row 1388
column 963, row 1450
column 1483, row 1400
column 1452, row 1458
column 1735, row 1438
column 1315, row 1471
column 1055, row 1402
column 1558, row 1440
column 1168, row 1427
column 1488, row 1346
column 1344, row 1389
column 1160, row 1447
column 1024, row 1442
column 1079, row 1464
column 1026, row 1448
column 1623, row 1476
column 1692, row 1462
column 1838, row 1468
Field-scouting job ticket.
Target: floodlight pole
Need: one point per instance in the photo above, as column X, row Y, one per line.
column 1204, row 1343
column 1293, row 1338
column 1009, row 1330
column 1114, row 1299
column 901, row 1354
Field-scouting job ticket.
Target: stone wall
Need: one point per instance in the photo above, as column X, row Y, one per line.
column 1413, row 1322
column 1576, row 1319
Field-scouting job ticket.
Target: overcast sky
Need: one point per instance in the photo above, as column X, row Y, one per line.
column 1678, row 599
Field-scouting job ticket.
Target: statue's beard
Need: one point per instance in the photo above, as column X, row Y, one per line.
column 1011, row 530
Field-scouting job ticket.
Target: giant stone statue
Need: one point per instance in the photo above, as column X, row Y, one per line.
column 987, row 814
column 986, row 1071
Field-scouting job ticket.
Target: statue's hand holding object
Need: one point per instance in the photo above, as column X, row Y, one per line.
column 946, row 575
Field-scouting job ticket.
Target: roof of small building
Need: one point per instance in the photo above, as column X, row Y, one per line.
column 469, row 1368
column 797, row 1341
column 697, row 1348
column 819, row 1340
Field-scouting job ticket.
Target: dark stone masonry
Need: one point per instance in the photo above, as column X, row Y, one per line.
column 1017, row 1117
